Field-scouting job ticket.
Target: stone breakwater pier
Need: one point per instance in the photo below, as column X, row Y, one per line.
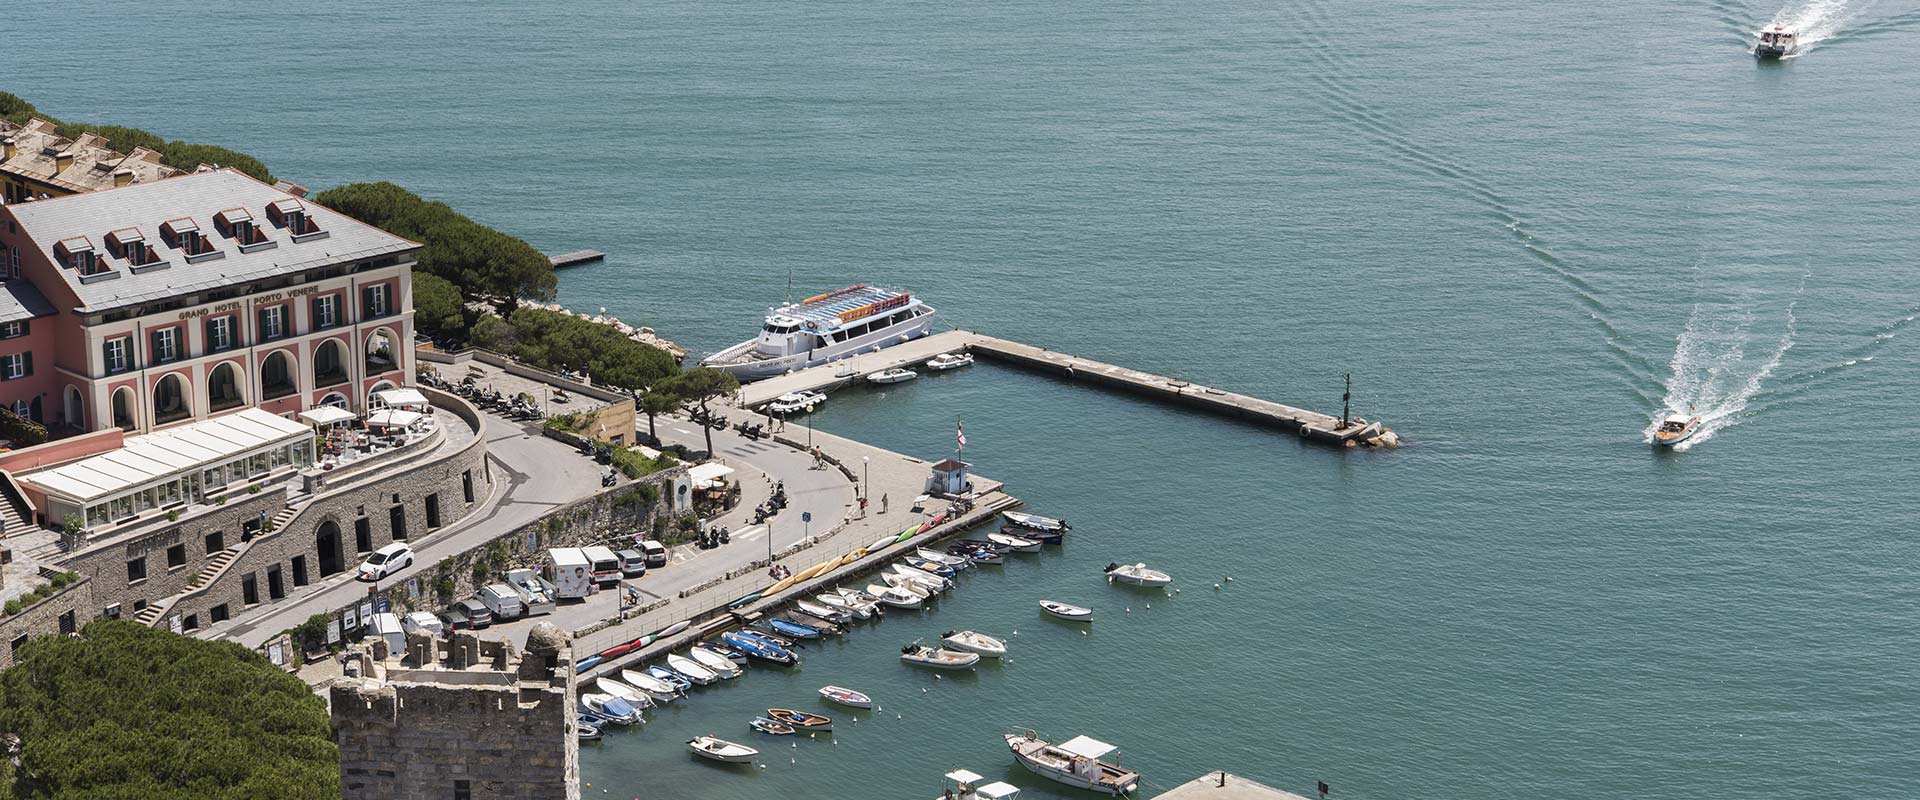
column 1311, row 426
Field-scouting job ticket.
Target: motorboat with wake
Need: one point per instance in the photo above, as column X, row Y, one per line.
column 947, row 361
column 1137, row 575
column 1067, row 611
column 718, row 749
column 1776, row 42
column 921, row 655
column 895, row 375
column 826, row 328
column 846, row 697
column 1676, row 428
column 974, row 642
column 1075, row 762
column 1036, row 522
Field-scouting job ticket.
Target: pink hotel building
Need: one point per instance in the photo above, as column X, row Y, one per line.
column 160, row 303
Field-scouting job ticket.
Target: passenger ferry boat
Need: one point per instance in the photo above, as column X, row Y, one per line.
column 825, row 328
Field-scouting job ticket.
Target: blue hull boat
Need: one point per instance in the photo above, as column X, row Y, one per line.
column 795, row 629
column 756, row 647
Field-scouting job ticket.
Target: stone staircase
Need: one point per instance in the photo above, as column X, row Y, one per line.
column 286, row 515
column 150, row 614
column 214, row 567
column 12, row 509
column 218, row 565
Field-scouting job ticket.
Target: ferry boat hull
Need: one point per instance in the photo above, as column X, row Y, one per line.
column 824, row 329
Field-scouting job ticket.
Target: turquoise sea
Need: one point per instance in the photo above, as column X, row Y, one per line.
column 1526, row 228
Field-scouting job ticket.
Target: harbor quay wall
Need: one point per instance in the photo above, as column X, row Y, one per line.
column 64, row 611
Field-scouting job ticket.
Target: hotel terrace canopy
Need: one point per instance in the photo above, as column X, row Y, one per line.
column 173, row 467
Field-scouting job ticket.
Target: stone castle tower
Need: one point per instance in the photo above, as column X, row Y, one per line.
column 460, row 718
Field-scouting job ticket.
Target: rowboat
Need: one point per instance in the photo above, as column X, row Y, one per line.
column 951, row 560
column 974, row 642
column 832, row 600
column 659, row 689
column 714, row 662
column 586, row 727
column 733, row 655
column 1137, row 575
column 721, row 750
column 758, row 648
column 976, row 555
column 1075, row 762
column 1018, row 544
column 1036, row 522
column 930, row 580
column 898, row 598
column 1067, row 611
column 635, row 697
column 801, row 720
column 764, row 725
column 929, row 566
column 786, row 627
column 937, row 657
column 835, row 615
column 680, row 683
column 769, row 637
column 846, row 697
column 906, row 584
column 691, row 669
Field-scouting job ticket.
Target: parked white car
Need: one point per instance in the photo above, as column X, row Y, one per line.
column 386, row 561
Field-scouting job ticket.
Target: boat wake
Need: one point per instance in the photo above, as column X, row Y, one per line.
column 1712, row 376
column 1815, row 20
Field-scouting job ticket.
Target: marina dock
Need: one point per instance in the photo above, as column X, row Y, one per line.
column 576, row 257
column 1224, row 786
column 1311, row 426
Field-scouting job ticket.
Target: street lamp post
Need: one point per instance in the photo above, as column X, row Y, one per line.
column 866, row 484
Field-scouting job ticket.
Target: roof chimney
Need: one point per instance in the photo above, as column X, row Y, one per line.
column 122, row 177
column 62, row 160
column 8, row 148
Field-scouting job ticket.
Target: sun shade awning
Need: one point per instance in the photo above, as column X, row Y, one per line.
column 405, row 398
column 1087, row 746
column 326, row 415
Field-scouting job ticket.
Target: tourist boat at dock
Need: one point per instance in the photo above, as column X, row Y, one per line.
column 1036, row 522
column 1075, row 762
column 718, row 749
column 974, row 642
column 1017, row 544
column 921, row 655
column 895, row 375
column 826, row 328
column 1137, row 575
column 1676, row 428
column 947, row 361
column 772, row 727
column 846, row 697
column 1067, row 611
column 801, row 720
column 1776, row 41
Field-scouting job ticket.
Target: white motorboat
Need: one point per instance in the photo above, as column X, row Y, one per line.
column 895, row 375
column 947, row 361
column 633, row 696
column 1067, row 611
column 1776, row 41
column 718, row 749
column 661, row 690
column 832, row 600
column 1036, row 522
column 826, row 328
column 1676, row 428
column 1075, row 762
column 921, row 655
column 715, row 663
column 1018, row 544
column 964, row 784
column 795, row 403
column 898, row 598
column 846, row 697
column 1137, row 575
column 950, row 560
column 927, row 580
column 974, row 642
column 613, row 709
column 905, row 584
column 860, row 601
column 691, row 669
column 835, row 615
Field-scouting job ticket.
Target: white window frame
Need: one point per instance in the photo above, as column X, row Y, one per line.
column 278, row 315
column 220, row 333
column 330, row 305
column 13, row 366
column 121, row 346
column 378, row 300
column 167, row 345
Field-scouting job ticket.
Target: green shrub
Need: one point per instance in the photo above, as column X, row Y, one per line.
column 12, row 607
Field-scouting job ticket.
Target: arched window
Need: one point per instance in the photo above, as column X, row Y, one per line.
column 329, row 364
column 276, row 376
column 378, row 388
column 170, row 400
column 335, row 399
column 73, row 409
column 380, row 353
column 223, row 388
column 123, row 409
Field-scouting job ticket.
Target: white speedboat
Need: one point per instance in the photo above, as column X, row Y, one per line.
column 1036, row 522
column 974, row 642
column 898, row 598
column 846, row 697
column 903, row 583
column 832, row 600
column 795, row 403
column 833, row 614
column 826, row 328
column 1018, row 544
column 1138, row 575
column 921, row 655
column 860, row 601
column 715, row 663
column 895, row 375
column 947, row 361
column 1067, row 611
column 1776, row 41
column 691, row 669
column 661, row 690
column 1075, row 762
column 927, row 580
column 718, row 749
column 1676, row 428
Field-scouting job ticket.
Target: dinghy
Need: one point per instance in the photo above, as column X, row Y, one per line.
column 921, row 655
column 929, row 566
column 898, row 598
column 635, row 697
column 906, row 584
column 679, row 683
column 952, row 560
column 801, row 720
column 786, row 627
column 1067, row 611
column 714, row 662
column 981, row 544
column 1137, row 575
column 933, row 582
column 976, row 555
column 974, row 642
column 825, row 627
column 691, row 669
column 585, row 729
column 832, row 600
column 717, row 749
column 846, row 697
column 733, row 655
column 1036, row 522
column 764, row 725
column 1018, row 544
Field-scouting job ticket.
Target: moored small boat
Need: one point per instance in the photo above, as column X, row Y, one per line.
column 659, row 689
column 937, row 657
column 718, row 749
column 974, row 642
column 838, row 616
column 895, row 375
column 786, row 627
column 906, row 584
column 1035, row 534
column 1035, row 521
column 898, row 598
column 825, row 627
column 1075, row 762
column 832, row 600
column 1067, row 611
column 692, row 669
column 733, row 654
column 933, row 581
column 949, row 560
column 585, row 728
column 679, row 682
column 1017, row 544
column 936, row 568
column 714, row 662
column 1137, row 575
column 947, row 361
column 976, row 555
column 846, row 697
column 634, row 696
column 616, row 710
column 801, row 720
column 759, row 648
column 768, row 726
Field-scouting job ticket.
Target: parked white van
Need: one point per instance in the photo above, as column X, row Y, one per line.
column 605, row 565
column 571, row 573
column 503, row 601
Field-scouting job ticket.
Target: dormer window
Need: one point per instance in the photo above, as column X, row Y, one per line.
column 291, row 214
column 77, row 254
column 238, row 225
column 184, row 234
column 130, row 244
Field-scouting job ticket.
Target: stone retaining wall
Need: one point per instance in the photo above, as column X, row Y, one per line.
column 66, row 609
